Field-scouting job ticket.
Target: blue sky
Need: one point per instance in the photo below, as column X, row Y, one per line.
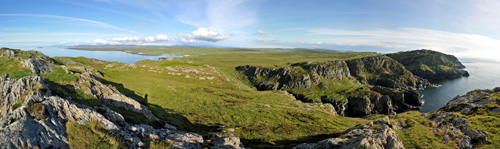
column 465, row 27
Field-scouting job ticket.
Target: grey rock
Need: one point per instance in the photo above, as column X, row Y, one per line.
column 13, row 90
column 168, row 126
column 456, row 127
column 225, row 140
column 377, row 136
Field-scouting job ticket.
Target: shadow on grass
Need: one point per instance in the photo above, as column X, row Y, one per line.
column 255, row 143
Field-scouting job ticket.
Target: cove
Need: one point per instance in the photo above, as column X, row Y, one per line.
column 483, row 75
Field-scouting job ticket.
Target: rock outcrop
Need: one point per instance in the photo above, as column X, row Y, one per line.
column 474, row 101
column 388, row 87
column 21, row 128
column 430, row 64
column 378, row 135
column 455, row 127
column 34, row 60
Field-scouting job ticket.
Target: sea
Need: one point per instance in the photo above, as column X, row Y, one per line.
column 483, row 74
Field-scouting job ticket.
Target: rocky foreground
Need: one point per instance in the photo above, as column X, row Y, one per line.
column 35, row 116
column 450, row 123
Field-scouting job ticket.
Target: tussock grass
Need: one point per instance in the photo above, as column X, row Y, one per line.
column 91, row 135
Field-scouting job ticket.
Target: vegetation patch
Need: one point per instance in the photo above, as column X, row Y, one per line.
column 417, row 134
column 18, row 104
column 13, row 68
column 59, row 75
column 92, row 135
column 37, row 111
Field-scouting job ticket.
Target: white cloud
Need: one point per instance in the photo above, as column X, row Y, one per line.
column 196, row 36
column 261, row 32
column 206, row 35
column 133, row 40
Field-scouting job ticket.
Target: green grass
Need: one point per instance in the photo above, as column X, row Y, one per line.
column 59, row 75
column 91, row 135
column 13, row 68
column 489, row 123
column 18, row 104
column 418, row 134
column 332, row 89
column 170, row 64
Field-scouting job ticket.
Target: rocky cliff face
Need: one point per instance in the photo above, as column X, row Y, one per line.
column 388, row 86
column 430, row 64
column 378, row 135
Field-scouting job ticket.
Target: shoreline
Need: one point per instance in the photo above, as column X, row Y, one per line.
column 139, row 53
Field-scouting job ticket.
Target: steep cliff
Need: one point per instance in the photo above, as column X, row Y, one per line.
column 430, row 64
column 358, row 87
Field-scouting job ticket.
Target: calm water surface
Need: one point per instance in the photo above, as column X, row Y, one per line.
column 118, row 56
column 483, row 75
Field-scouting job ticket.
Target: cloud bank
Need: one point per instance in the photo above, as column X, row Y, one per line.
column 199, row 35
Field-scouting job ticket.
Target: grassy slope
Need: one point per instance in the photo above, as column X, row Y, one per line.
column 262, row 116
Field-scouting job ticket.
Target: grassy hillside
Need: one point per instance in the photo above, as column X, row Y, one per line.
column 205, row 90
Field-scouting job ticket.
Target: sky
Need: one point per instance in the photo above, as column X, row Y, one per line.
column 466, row 28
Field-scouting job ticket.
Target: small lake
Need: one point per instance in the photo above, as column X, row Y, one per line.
column 117, row 56
column 483, row 75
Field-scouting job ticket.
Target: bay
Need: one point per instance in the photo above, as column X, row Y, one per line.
column 117, row 56
column 483, row 75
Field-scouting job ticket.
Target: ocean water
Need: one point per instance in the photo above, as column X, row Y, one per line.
column 118, row 56
column 483, row 75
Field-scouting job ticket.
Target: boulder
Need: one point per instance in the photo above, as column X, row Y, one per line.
column 378, row 135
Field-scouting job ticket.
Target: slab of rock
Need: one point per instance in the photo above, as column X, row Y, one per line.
column 378, row 135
